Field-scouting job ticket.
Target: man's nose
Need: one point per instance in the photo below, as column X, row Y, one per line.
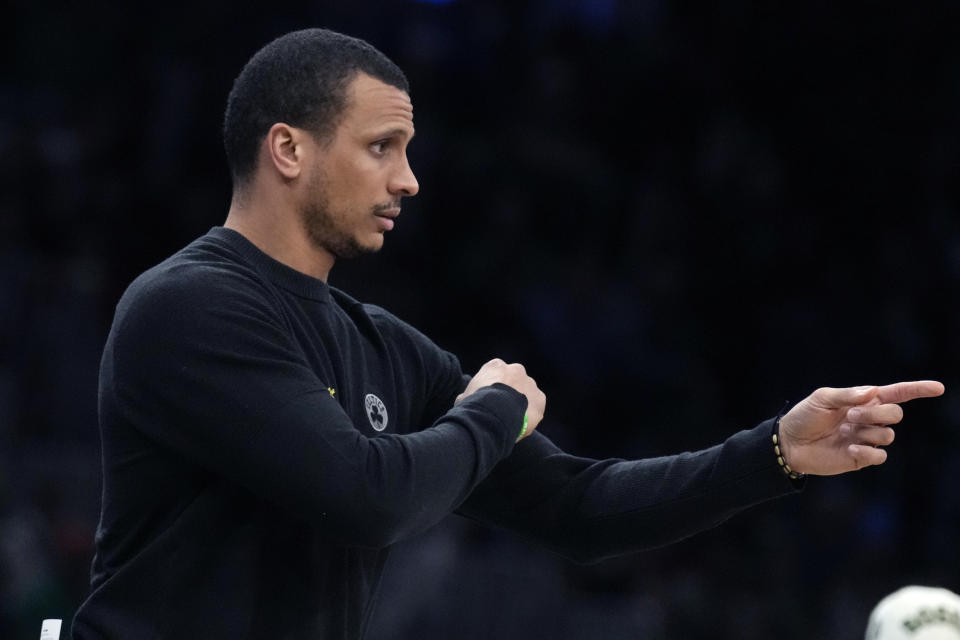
column 404, row 182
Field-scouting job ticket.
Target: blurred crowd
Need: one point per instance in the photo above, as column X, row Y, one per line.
column 677, row 216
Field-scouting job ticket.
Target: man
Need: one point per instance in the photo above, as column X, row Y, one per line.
column 266, row 438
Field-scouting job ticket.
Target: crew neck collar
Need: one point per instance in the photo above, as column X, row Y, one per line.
column 280, row 274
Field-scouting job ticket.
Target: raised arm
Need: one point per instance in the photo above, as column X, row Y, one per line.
column 205, row 370
column 591, row 509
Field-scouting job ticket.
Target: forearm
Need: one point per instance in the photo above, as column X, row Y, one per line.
column 404, row 484
column 308, row 458
column 589, row 510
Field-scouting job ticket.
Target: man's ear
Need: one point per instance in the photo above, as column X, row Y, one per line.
column 284, row 147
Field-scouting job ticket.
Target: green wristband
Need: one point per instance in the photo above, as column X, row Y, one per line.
column 523, row 431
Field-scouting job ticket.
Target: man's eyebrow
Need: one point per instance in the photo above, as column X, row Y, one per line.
column 397, row 132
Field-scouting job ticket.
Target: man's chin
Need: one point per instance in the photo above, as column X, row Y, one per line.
column 356, row 249
column 371, row 246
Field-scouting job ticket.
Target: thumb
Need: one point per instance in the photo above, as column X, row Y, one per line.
column 831, row 398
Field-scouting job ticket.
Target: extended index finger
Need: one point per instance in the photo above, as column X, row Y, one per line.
column 905, row 391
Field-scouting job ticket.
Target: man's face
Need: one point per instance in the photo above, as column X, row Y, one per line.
column 354, row 189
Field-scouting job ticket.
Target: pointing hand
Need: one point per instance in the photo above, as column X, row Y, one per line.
column 833, row 431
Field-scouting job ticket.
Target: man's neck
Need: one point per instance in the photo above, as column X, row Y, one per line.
column 281, row 237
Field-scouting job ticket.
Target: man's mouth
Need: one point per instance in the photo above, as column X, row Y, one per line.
column 386, row 216
column 389, row 212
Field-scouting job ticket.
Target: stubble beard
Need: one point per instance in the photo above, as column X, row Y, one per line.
column 322, row 229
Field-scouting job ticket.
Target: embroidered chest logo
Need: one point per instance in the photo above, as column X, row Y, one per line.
column 376, row 412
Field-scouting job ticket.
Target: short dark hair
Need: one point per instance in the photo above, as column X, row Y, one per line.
column 300, row 79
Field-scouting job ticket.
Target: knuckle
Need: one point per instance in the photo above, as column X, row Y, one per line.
column 517, row 370
column 821, row 396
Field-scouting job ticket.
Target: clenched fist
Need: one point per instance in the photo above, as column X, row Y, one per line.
column 515, row 376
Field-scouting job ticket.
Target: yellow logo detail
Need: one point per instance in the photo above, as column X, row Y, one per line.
column 332, row 391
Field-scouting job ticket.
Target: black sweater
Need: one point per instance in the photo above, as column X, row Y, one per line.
column 265, row 438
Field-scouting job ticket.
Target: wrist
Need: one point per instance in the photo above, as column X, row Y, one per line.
column 781, row 449
column 523, row 430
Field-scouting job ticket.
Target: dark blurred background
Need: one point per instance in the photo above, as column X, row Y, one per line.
column 678, row 216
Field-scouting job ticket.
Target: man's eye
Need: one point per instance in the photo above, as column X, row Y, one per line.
column 380, row 147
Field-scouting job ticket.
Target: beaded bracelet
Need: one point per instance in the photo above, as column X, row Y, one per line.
column 523, row 431
column 790, row 473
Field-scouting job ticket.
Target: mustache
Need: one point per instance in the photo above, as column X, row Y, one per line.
column 380, row 208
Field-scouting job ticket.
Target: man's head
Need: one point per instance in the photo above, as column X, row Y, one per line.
column 300, row 79
column 320, row 123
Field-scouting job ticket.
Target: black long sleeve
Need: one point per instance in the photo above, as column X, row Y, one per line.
column 589, row 509
column 265, row 438
column 202, row 365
